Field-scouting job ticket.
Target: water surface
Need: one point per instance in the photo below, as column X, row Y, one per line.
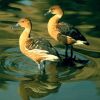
column 19, row 76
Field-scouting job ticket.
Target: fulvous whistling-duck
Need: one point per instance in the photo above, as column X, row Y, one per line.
column 64, row 32
column 39, row 49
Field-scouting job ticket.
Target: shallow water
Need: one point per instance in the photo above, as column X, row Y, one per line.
column 19, row 76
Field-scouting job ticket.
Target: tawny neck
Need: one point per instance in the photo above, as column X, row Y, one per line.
column 24, row 36
column 54, row 20
column 52, row 26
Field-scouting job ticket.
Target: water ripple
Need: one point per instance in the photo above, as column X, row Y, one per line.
column 13, row 62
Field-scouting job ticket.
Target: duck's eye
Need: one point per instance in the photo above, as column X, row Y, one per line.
column 52, row 8
column 22, row 21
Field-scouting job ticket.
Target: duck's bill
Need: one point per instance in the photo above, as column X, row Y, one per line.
column 48, row 12
column 15, row 26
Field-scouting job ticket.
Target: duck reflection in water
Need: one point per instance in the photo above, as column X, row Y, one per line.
column 40, row 85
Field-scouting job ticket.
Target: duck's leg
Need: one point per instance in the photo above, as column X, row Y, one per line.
column 71, row 51
column 66, row 51
column 41, row 67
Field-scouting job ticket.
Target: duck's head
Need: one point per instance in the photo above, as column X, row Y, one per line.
column 24, row 22
column 56, row 10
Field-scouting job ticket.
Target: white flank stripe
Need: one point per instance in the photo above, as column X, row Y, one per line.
column 79, row 42
column 38, row 51
column 51, row 57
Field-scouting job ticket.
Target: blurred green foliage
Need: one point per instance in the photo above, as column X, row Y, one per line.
column 77, row 12
column 83, row 6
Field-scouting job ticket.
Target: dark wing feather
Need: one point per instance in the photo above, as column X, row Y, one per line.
column 29, row 44
column 64, row 28
column 68, row 30
column 42, row 44
column 75, row 33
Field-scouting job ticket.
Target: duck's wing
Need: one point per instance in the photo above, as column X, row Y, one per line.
column 69, row 30
column 41, row 45
column 30, row 44
column 38, row 43
column 64, row 28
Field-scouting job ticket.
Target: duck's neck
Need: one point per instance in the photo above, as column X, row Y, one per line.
column 52, row 26
column 24, row 36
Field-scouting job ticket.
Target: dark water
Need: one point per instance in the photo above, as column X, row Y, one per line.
column 19, row 76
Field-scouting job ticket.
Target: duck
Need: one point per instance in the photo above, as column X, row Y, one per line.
column 39, row 49
column 64, row 32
